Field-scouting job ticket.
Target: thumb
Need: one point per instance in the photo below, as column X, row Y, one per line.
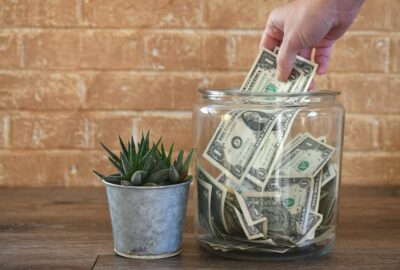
column 286, row 57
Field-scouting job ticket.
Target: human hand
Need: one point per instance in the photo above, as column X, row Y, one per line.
column 302, row 25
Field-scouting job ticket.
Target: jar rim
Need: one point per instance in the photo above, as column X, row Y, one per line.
column 221, row 92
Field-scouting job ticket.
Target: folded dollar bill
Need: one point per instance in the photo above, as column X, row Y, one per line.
column 261, row 77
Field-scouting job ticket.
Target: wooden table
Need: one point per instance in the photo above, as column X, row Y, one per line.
column 69, row 228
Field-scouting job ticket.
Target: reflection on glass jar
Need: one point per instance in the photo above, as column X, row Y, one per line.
column 267, row 173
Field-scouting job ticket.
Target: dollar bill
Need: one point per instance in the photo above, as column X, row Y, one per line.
column 306, row 158
column 264, row 163
column 287, row 214
column 296, row 196
column 314, row 221
column 241, row 244
column 316, row 192
column 328, row 234
column 251, row 214
column 293, row 142
column 204, row 205
column 261, row 77
column 328, row 173
column 250, row 186
column 309, row 69
column 314, row 206
column 233, row 224
column 245, row 186
column 218, row 195
column 226, row 245
column 237, row 139
column 280, row 222
column 328, row 202
column 318, row 181
column 252, row 232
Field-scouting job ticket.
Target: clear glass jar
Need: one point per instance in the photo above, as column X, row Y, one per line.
column 267, row 173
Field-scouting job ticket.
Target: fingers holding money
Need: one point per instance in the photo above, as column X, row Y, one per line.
column 290, row 48
column 306, row 53
column 322, row 55
column 272, row 36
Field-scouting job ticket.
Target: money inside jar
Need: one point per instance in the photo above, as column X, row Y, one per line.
column 272, row 192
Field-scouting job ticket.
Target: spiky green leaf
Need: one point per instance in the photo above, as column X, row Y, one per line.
column 118, row 166
column 124, row 150
column 111, row 154
column 128, row 168
column 133, row 144
column 98, row 174
column 140, row 164
column 114, row 179
column 185, row 167
column 168, row 159
column 162, row 153
column 178, row 162
column 173, row 175
column 158, row 176
column 158, row 143
column 142, row 151
column 158, row 164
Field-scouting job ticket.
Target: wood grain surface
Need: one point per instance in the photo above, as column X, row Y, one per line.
column 69, row 228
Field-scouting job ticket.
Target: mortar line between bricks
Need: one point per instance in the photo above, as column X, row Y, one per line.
column 366, row 115
column 175, row 72
column 180, row 114
column 38, row 29
column 251, row 30
column 344, row 73
column 377, row 153
column 202, row 71
column 110, row 112
column 372, row 153
column 56, row 151
column 155, row 112
column 127, row 71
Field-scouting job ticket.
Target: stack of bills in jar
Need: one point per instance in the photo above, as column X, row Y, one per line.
column 270, row 193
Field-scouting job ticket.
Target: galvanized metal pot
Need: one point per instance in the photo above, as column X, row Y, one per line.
column 147, row 222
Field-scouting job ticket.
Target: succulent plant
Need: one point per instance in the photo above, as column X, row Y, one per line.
column 142, row 165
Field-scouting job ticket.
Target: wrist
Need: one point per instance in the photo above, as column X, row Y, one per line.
column 345, row 10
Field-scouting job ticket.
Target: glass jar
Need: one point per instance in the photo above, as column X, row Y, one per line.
column 267, row 173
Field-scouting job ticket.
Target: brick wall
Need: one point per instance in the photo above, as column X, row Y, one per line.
column 73, row 72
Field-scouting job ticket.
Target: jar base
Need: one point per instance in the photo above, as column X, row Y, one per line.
column 302, row 253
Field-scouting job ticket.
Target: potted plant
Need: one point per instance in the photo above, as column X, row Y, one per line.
column 147, row 198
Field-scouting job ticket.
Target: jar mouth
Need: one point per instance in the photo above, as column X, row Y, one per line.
column 232, row 92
